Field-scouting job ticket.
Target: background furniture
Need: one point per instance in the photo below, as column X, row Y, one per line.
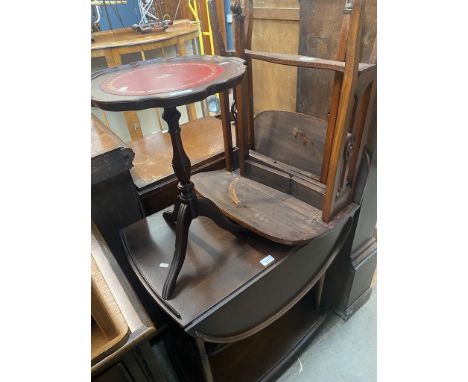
column 112, row 45
column 108, row 327
column 114, row 201
column 348, row 285
column 130, row 358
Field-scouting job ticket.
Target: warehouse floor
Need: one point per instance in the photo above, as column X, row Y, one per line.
column 343, row 351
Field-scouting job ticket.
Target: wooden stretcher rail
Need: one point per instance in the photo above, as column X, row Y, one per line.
column 302, row 61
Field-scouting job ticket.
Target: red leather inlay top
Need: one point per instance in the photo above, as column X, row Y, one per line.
column 161, row 78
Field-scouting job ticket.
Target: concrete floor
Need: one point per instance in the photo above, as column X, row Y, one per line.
column 343, row 351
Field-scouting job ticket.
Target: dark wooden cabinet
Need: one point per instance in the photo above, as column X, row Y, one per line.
column 348, row 285
column 114, row 200
column 117, row 373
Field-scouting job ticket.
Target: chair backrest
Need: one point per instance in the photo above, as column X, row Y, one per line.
column 352, row 100
column 292, row 138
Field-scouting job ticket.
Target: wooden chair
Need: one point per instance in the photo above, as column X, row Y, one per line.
column 297, row 174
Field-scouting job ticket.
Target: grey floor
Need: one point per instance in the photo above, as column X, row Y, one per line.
column 343, row 351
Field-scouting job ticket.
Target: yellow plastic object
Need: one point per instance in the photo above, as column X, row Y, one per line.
column 193, row 6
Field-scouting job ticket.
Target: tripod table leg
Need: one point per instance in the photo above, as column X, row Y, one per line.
column 206, row 207
column 184, row 218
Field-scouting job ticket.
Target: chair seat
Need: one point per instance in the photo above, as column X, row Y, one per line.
column 270, row 213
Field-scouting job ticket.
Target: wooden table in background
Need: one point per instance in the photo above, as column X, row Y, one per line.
column 113, row 44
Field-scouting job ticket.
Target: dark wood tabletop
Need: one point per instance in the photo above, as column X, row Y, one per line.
column 164, row 82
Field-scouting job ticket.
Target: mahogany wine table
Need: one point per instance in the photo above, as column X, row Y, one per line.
column 169, row 83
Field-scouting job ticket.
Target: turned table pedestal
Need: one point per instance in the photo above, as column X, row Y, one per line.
column 169, row 83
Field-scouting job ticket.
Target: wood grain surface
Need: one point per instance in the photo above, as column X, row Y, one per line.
column 320, row 37
column 217, row 263
column 127, row 37
column 221, row 271
column 272, row 214
column 108, row 326
column 273, row 85
column 301, row 61
column 232, row 74
column 109, row 155
column 292, row 138
column 103, row 140
column 139, row 324
column 203, row 140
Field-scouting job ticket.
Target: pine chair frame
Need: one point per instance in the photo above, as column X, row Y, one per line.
column 351, row 104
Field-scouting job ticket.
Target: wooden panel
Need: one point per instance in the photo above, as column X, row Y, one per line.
column 319, row 30
column 139, row 324
column 241, row 360
column 293, row 171
column 108, row 327
column 109, row 155
column 117, row 373
column 276, row 13
column 203, row 140
column 271, row 177
column 269, row 213
column 275, row 4
column 292, row 138
column 301, row 188
column 274, row 85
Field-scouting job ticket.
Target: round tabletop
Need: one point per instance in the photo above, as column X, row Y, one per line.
column 164, row 82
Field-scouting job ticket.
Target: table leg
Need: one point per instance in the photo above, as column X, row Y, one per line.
column 186, row 207
column 184, row 218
